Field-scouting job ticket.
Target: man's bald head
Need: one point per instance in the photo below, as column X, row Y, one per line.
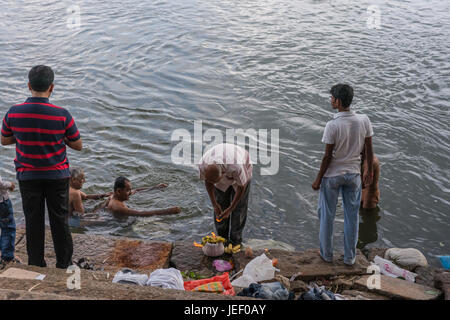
column 213, row 173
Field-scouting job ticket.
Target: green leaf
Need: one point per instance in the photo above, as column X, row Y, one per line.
column 432, row 292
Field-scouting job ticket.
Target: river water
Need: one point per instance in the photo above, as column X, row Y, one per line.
column 133, row 72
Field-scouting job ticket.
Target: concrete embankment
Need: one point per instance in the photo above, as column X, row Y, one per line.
column 107, row 255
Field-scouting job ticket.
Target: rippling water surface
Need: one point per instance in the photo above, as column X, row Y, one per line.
column 135, row 71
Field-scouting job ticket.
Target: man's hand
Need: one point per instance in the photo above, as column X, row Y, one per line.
column 226, row 213
column 316, row 185
column 217, row 211
column 76, row 145
column 13, row 186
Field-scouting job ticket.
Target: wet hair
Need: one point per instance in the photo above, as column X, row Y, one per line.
column 41, row 77
column 76, row 172
column 120, row 183
column 343, row 92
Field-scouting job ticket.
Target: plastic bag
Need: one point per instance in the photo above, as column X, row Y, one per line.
column 222, row 265
column 389, row 269
column 259, row 269
column 166, row 278
column 224, row 279
column 408, row 258
column 445, row 261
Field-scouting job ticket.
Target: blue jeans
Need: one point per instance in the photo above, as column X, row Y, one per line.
column 8, row 233
column 350, row 186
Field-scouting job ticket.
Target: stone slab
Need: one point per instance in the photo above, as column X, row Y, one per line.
column 308, row 262
column 105, row 253
column 186, row 257
column 362, row 295
column 6, row 294
column 400, row 289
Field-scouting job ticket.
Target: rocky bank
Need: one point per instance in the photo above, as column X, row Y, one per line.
column 107, row 255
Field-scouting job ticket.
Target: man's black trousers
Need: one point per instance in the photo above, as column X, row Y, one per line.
column 55, row 193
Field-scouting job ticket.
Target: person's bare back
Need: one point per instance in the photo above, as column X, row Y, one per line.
column 76, row 196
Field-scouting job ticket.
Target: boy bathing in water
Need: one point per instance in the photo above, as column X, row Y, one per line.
column 122, row 191
column 370, row 193
column 76, row 196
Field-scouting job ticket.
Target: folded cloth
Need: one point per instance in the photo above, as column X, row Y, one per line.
column 166, row 278
column 215, row 287
column 317, row 293
column 129, row 276
column 269, row 291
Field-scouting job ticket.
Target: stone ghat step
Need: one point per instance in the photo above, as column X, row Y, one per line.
column 106, row 253
column 399, row 288
column 94, row 285
column 114, row 253
column 185, row 256
column 110, row 254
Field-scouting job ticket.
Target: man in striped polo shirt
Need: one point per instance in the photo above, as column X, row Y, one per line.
column 41, row 131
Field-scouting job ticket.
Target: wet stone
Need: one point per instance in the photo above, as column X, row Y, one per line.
column 426, row 275
column 139, row 255
column 106, row 253
column 372, row 252
column 442, row 281
column 308, row 262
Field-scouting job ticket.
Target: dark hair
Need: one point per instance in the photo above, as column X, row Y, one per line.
column 120, row 183
column 343, row 92
column 41, row 77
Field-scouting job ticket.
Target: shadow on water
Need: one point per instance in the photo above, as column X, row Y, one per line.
column 368, row 230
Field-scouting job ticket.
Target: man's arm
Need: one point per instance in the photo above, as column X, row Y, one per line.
column 76, row 145
column 95, row 196
column 158, row 186
column 124, row 210
column 212, row 197
column 326, row 160
column 239, row 193
column 8, row 140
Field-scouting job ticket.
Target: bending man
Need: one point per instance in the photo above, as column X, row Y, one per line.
column 227, row 172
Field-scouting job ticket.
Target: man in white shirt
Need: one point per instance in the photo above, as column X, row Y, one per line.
column 227, row 172
column 345, row 137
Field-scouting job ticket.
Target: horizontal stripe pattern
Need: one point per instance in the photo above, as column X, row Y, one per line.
column 40, row 129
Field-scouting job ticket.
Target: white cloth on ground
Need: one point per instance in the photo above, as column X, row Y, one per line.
column 166, row 278
column 128, row 276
